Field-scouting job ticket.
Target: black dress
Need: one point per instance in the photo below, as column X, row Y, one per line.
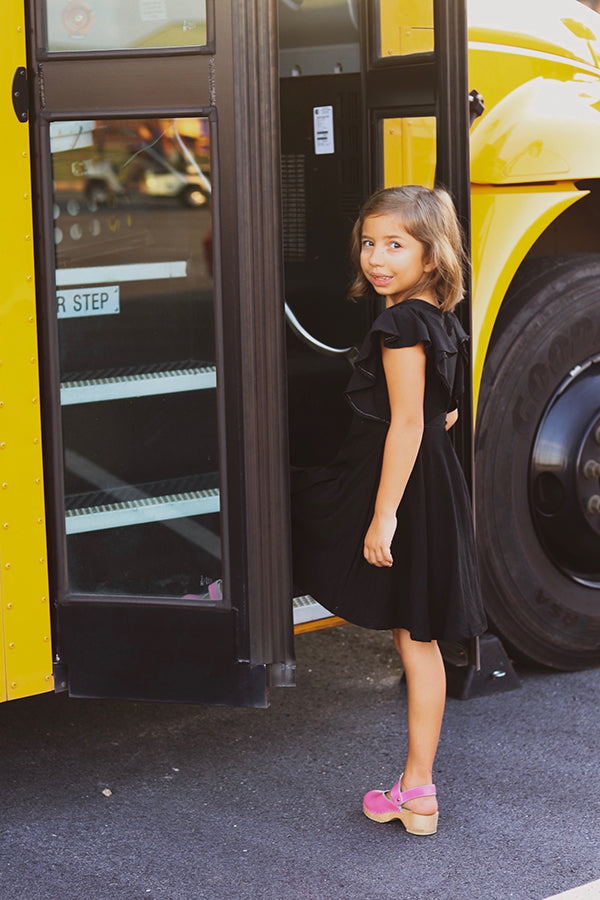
column 432, row 589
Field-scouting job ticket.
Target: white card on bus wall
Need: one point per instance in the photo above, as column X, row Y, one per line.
column 323, row 128
column 88, row 301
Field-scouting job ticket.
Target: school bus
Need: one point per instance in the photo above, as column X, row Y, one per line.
column 179, row 183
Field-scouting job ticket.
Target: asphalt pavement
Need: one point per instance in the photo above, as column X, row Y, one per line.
column 105, row 800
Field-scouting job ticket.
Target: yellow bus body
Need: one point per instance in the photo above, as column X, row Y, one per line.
column 539, row 135
column 26, row 645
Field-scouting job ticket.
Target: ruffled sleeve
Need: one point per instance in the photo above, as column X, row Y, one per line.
column 462, row 362
column 405, row 325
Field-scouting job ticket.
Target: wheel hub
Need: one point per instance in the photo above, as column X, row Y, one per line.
column 564, row 476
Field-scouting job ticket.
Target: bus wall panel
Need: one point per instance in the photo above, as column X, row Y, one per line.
column 25, row 620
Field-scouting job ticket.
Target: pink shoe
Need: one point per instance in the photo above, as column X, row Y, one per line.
column 380, row 807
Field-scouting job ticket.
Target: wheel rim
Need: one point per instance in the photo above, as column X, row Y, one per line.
column 195, row 197
column 564, row 476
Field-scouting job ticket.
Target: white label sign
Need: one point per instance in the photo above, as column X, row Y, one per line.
column 71, row 135
column 153, row 10
column 88, row 301
column 323, row 126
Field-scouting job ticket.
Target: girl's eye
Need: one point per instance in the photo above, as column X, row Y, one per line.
column 367, row 243
column 395, row 245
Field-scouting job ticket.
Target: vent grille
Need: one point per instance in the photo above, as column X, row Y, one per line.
column 293, row 191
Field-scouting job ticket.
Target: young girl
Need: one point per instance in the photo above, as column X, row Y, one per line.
column 383, row 537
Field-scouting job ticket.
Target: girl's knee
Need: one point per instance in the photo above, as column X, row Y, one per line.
column 409, row 649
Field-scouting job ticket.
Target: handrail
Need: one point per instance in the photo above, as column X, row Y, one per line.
column 349, row 352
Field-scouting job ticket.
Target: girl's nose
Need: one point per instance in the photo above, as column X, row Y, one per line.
column 376, row 256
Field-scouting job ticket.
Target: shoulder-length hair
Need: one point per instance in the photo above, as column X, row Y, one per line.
column 428, row 216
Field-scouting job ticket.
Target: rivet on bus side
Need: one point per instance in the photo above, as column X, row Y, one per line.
column 27, row 237
column 7, row 565
column 36, row 440
column 44, row 599
column 5, row 525
column 38, row 480
column 2, row 445
column 42, row 559
column 13, row 685
column 4, row 485
column 45, row 637
column 11, row 645
column 34, row 399
column 9, row 606
column 47, row 677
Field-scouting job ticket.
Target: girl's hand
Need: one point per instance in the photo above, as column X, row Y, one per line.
column 451, row 419
column 378, row 541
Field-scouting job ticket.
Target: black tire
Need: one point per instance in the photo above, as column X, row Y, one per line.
column 537, row 531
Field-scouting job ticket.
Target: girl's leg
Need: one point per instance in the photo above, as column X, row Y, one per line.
column 426, row 692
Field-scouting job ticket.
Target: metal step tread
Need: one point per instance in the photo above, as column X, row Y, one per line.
column 117, row 507
column 125, row 382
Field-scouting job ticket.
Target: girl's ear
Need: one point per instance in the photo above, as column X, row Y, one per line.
column 428, row 265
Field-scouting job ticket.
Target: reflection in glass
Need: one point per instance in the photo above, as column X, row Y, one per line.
column 80, row 25
column 409, row 150
column 135, row 310
column 318, row 37
column 404, row 27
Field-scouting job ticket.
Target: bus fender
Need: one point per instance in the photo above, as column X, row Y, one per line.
column 544, row 130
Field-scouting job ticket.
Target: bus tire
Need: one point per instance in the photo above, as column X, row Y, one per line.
column 537, row 453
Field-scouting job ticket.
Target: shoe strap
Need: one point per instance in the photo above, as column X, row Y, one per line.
column 400, row 797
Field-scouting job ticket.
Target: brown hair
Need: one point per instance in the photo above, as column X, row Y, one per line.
column 428, row 216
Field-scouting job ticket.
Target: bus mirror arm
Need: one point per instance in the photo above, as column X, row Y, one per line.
column 349, row 352
column 476, row 106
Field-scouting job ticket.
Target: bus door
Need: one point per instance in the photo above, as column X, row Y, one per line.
column 162, row 340
column 373, row 94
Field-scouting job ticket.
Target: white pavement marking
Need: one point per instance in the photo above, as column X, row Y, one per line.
column 589, row 891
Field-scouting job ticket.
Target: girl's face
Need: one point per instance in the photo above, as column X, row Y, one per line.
column 392, row 260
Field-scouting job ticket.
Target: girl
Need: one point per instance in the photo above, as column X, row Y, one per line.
column 383, row 537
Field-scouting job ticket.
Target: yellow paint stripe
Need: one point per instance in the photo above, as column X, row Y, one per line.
column 319, row 625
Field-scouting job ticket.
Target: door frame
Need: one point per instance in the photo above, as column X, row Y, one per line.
column 438, row 86
column 250, row 640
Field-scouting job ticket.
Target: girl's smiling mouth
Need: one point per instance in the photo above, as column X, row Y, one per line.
column 380, row 279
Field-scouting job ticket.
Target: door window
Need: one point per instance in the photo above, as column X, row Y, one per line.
column 408, row 150
column 403, row 28
column 135, row 310
column 318, row 37
column 77, row 26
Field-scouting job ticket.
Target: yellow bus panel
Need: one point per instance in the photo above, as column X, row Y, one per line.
column 25, row 641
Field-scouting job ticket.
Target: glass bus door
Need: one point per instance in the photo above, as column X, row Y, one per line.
column 373, row 94
column 163, row 427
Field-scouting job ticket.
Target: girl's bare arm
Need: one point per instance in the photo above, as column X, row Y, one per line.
column 405, row 376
